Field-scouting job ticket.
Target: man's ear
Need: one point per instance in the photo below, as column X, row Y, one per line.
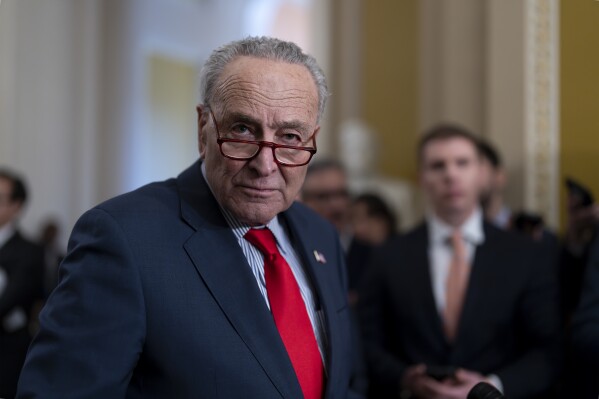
column 202, row 134
column 15, row 208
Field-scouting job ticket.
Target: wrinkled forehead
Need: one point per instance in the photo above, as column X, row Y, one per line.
column 255, row 82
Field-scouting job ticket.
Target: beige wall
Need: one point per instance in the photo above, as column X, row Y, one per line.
column 490, row 66
column 580, row 92
column 389, row 81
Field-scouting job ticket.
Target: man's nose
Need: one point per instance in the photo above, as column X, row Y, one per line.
column 451, row 171
column 264, row 162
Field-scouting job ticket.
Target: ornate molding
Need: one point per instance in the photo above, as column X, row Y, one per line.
column 542, row 108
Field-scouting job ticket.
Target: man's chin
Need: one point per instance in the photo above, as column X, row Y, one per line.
column 253, row 215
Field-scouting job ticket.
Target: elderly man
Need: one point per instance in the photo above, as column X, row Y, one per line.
column 214, row 284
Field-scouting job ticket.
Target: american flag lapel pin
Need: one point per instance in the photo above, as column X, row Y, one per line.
column 319, row 257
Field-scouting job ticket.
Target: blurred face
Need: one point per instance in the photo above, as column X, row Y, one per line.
column 370, row 229
column 487, row 180
column 261, row 100
column 325, row 191
column 450, row 173
column 492, row 181
column 8, row 209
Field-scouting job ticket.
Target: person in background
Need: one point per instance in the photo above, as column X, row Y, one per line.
column 494, row 180
column 579, row 280
column 325, row 190
column 457, row 301
column 214, row 284
column 53, row 254
column 530, row 224
column 372, row 223
column 372, row 220
column 21, row 268
column 584, row 341
column 582, row 223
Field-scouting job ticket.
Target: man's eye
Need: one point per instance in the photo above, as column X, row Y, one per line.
column 437, row 166
column 463, row 162
column 291, row 139
column 240, row 129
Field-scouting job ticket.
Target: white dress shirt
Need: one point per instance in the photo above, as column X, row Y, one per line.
column 440, row 252
column 6, row 233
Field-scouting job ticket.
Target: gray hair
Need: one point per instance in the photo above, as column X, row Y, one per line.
column 260, row 47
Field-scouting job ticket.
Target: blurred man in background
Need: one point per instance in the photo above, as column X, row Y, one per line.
column 21, row 277
column 457, row 301
column 494, row 179
column 583, row 378
column 325, row 190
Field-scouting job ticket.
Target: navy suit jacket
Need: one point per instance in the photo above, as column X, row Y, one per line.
column 509, row 323
column 156, row 300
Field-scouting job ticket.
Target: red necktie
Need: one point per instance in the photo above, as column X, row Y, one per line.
column 457, row 281
column 290, row 315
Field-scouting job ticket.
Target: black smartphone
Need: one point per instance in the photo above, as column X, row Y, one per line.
column 579, row 191
column 440, row 373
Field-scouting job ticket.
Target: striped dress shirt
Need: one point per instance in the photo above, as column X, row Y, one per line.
column 256, row 262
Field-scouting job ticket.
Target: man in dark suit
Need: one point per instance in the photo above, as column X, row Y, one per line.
column 457, row 301
column 583, row 368
column 21, row 268
column 214, row 284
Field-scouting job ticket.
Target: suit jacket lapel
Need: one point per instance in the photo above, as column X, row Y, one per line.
column 481, row 271
column 320, row 275
column 216, row 255
column 422, row 279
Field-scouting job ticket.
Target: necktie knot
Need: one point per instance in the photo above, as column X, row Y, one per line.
column 264, row 240
column 455, row 238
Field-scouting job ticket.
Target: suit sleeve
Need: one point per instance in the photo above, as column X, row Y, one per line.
column 92, row 328
column 536, row 368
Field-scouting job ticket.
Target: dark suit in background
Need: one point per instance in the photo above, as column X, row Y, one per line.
column 21, row 263
column 156, row 288
column 583, row 368
column 509, row 323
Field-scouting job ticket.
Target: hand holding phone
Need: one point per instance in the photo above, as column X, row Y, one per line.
column 440, row 373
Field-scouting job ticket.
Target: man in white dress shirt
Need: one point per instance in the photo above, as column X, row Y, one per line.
column 457, row 301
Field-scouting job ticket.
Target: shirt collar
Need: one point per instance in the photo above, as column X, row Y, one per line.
column 6, row 232
column 502, row 219
column 471, row 229
column 240, row 229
